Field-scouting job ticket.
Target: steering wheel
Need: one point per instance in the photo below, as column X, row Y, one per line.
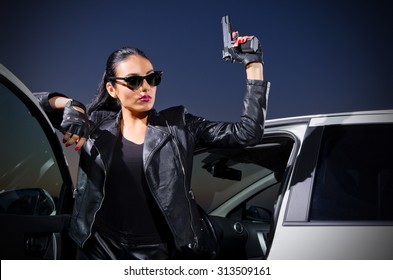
column 208, row 240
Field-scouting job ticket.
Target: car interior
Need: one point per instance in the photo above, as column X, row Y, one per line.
column 238, row 189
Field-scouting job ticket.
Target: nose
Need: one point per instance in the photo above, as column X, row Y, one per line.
column 145, row 86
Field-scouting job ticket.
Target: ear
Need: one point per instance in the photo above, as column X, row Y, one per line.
column 111, row 90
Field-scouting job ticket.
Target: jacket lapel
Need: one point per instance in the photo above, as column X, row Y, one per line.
column 105, row 136
column 154, row 139
column 104, row 139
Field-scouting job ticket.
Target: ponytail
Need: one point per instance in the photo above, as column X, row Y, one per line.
column 103, row 100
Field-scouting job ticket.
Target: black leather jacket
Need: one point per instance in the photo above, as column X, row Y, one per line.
column 171, row 138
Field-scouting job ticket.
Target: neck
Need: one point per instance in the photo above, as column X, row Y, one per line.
column 133, row 126
column 130, row 118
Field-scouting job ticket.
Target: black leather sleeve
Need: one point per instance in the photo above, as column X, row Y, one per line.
column 247, row 131
column 55, row 116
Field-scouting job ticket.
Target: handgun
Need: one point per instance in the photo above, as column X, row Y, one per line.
column 250, row 46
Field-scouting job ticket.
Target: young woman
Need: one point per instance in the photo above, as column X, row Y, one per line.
column 133, row 198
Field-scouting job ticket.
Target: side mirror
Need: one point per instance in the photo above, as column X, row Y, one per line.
column 258, row 214
column 34, row 201
column 220, row 169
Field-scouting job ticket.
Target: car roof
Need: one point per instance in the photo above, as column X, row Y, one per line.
column 308, row 118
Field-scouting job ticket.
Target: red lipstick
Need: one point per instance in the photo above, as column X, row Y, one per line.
column 145, row 98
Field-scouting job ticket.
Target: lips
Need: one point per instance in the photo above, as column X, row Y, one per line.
column 145, row 98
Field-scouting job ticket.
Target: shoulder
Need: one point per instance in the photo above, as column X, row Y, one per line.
column 173, row 115
column 176, row 110
column 99, row 116
column 104, row 120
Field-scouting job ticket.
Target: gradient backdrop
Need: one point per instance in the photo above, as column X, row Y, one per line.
column 320, row 56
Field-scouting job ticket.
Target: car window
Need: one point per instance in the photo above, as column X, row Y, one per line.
column 229, row 178
column 30, row 180
column 354, row 176
column 263, row 203
column 220, row 174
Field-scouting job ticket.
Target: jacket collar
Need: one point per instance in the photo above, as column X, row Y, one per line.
column 107, row 132
column 104, row 137
column 157, row 133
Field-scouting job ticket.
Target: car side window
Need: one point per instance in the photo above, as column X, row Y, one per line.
column 30, row 178
column 220, row 175
column 354, row 176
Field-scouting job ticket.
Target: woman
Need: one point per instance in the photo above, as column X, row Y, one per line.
column 133, row 198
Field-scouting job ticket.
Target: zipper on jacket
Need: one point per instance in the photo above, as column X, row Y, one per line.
column 74, row 191
column 104, row 183
column 185, row 188
column 102, row 200
column 171, row 228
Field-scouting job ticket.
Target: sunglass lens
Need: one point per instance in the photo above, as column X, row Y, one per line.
column 154, row 79
column 134, row 81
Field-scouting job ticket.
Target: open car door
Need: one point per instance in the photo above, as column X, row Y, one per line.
column 35, row 183
column 238, row 190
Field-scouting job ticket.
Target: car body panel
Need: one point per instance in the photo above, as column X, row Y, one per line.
column 291, row 234
column 329, row 239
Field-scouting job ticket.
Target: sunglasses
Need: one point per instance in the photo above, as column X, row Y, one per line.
column 134, row 82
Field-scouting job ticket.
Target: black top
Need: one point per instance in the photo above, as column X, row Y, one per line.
column 128, row 209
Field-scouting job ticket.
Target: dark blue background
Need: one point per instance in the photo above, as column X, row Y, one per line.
column 320, row 56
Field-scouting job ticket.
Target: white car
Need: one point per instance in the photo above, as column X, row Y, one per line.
column 317, row 187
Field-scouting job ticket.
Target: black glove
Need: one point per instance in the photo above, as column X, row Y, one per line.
column 75, row 122
column 247, row 52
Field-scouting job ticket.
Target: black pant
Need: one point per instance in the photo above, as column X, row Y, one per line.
column 102, row 247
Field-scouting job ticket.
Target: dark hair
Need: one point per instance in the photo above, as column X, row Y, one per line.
column 102, row 100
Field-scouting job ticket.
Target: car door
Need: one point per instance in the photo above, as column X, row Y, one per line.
column 339, row 204
column 35, row 184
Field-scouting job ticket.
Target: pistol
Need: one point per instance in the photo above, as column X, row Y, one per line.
column 250, row 46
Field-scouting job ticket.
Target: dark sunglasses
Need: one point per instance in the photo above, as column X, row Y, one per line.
column 134, row 82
